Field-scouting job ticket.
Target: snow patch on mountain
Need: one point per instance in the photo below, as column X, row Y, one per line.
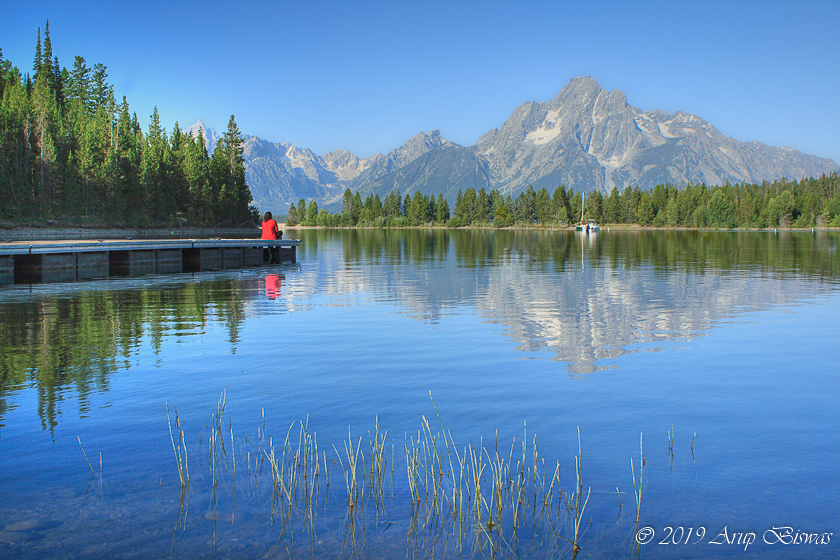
column 548, row 130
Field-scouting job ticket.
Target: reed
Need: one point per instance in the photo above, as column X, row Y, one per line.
column 671, row 441
column 454, row 491
column 579, row 508
column 180, row 460
column 352, row 451
column 692, row 446
column 92, row 472
column 637, row 489
column 378, row 461
column 671, row 448
column 411, row 463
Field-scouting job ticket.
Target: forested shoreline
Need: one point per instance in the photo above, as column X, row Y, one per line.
column 71, row 155
column 812, row 202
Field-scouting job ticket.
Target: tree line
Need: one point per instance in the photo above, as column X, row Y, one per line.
column 809, row 202
column 69, row 150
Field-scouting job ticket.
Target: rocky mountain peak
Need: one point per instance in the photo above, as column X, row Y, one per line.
column 585, row 138
column 580, row 90
column 211, row 137
column 414, row 148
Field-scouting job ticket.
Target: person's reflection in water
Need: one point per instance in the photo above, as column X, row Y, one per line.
column 272, row 286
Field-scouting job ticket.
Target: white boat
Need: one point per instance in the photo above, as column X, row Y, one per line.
column 587, row 227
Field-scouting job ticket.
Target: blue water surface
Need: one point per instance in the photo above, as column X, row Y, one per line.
column 718, row 350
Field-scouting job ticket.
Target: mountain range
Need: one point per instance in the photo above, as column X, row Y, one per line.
column 585, row 138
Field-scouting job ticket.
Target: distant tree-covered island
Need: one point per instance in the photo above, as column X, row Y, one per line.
column 70, row 154
column 812, row 202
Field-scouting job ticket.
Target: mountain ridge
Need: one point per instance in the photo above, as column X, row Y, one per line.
column 585, row 138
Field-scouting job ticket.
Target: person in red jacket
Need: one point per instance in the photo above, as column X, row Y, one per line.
column 270, row 229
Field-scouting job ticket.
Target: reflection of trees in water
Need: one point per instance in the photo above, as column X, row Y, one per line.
column 58, row 342
column 582, row 298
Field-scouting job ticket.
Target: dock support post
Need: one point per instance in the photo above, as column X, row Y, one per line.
column 7, row 270
column 92, row 265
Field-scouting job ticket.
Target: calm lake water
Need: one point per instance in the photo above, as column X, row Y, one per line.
column 720, row 351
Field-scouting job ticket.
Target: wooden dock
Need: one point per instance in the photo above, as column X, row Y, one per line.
column 29, row 262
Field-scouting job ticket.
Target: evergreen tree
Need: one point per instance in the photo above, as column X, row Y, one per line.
column 78, row 85
column 291, row 216
column 356, row 209
column 36, row 65
column 503, row 215
column 155, row 171
column 575, row 206
column 376, row 208
column 645, row 214
column 301, row 210
column 101, row 92
column 613, row 208
column 347, row 209
column 418, row 212
column 312, row 213
column 594, row 206
column 542, row 204
column 560, row 203
column 237, row 195
column 46, row 69
column 442, row 210
column 482, row 206
column 128, row 154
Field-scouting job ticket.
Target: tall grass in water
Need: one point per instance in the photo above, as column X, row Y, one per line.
column 181, row 460
column 474, row 495
column 579, row 507
column 637, row 489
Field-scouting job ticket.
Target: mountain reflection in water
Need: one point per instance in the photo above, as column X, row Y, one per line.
column 583, row 300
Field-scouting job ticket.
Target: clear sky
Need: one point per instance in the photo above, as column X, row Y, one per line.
column 367, row 76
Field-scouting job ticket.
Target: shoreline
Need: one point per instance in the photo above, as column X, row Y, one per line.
column 48, row 233
column 29, row 233
column 617, row 227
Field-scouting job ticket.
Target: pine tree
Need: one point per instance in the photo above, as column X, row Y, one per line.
column 46, row 67
column 301, row 210
column 348, row 216
column 36, row 65
column 101, row 92
column 376, row 208
column 291, row 216
column 312, row 213
column 155, row 172
column 238, row 195
column 78, row 85
column 356, row 208
column 482, row 206
column 442, row 210
column 127, row 165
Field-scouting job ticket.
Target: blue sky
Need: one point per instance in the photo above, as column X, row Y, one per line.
column 367, row 76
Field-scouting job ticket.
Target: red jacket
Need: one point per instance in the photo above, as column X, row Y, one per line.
column 269, row 230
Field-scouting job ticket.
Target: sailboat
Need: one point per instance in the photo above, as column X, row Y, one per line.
column 586, row 227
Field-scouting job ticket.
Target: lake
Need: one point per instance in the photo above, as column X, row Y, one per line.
column 433, row 394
